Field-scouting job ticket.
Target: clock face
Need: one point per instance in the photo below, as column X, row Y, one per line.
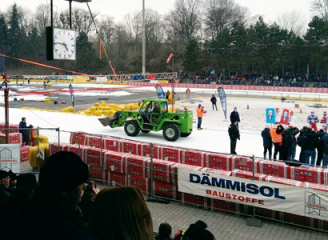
column 64, row 44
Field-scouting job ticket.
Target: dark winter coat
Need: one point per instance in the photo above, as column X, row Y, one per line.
column 311, row 141
column 214, row 100
column 288, row 137
column 49, row 216
column 233, row 132
column 23, row 127
column 267, row 141
column 325, row 150
column 234, row 116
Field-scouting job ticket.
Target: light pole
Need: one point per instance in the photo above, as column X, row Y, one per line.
column 143, row 39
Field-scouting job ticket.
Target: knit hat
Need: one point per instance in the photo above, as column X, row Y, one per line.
column 324, row 113
column 63, row 171
column 3, row 174
column 12, row 175
column 199, row 105
column 26, row 180
column 312, row 112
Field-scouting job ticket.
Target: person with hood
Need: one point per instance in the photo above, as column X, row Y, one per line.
column 289, row 141
column 312, row 120
column 164, row 232
column 267, row 142
column 234, row 135
column 198, row 231
column 276, row 136
column 235, row 116
column 301, row 141
column 53, row 209
column 213, row 101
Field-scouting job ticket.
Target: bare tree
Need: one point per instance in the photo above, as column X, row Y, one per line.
column 183, row 24
column 293, row 21
column 42, row 17
column 107, row 29
column 220, row 14
column 320, row 8
column 81, row 20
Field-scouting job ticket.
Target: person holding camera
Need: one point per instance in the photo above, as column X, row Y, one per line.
column 23, row 129
column 200, row 113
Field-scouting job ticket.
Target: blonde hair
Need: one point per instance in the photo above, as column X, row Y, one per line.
column 121, row 213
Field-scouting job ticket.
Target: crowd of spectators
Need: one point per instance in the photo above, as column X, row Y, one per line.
column 313, row 144
column 283, row 80
column 64, row 204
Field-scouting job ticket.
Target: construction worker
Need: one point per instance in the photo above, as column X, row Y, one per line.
column 200, row 111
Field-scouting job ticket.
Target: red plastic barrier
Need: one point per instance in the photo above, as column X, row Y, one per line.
column 218, row 161
column 171, row 154
column 112, row 144
column 115, row 162
column 116, row 179
column 189, row 199
column 162, row 171
column 24, row 153
column 142, row 183
column 77, row 138
column 14, row 138
column 131, row 147
column 195, row 158
column 164, row 190
column 137, row 165
column 54, row 147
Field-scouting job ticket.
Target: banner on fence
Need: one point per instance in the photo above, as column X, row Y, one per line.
column 9, row 157
column 279, row 197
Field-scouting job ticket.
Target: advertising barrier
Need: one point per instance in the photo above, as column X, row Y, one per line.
column 236, row 87
column 293, row 199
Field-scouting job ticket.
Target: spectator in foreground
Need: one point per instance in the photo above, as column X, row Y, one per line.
column 198, row 231
column 276, row 136
column 52, row 213
column 267, row 142
column 311, row 145
column 164, row 232
column 120, row 213
column 4, row 187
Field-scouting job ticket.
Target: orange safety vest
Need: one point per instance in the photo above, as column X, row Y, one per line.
column 276, row 138
column 188, row 91
column 199, row 111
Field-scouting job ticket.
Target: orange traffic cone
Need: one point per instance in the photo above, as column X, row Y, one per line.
column 247, row 106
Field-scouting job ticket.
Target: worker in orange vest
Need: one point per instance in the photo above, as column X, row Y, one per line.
column 276, row 136
column 200, row 111
column 188, row 93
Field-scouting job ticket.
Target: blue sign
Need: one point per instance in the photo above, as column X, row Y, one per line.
column 72, row 93
column 159, row 91
column 213, row 72
column 270, row 115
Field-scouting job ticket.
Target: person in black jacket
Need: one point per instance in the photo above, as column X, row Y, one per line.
column 325, row 154
column 235, row 116
column 311, row 144
column 300, row 143
column 267, row 142
column 234, row 135
column 164, row 232
column 214, row 100
column 289, row 141
column 320, row 147
column 23, row 129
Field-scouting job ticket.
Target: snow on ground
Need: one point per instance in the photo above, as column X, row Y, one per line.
column 214, row 136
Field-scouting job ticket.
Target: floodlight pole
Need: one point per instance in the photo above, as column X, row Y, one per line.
column 70, row 14
column 143, row 39
column 52, row 13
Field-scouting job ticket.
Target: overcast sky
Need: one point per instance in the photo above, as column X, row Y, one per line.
column 270, row 9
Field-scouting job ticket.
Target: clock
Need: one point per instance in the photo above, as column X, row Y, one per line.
column 64, row 44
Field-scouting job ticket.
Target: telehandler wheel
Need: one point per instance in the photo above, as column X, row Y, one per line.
column 131, row 128
column 171, row 132
column 185, row 134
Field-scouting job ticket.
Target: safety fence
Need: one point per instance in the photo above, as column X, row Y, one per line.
column 157, row 169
